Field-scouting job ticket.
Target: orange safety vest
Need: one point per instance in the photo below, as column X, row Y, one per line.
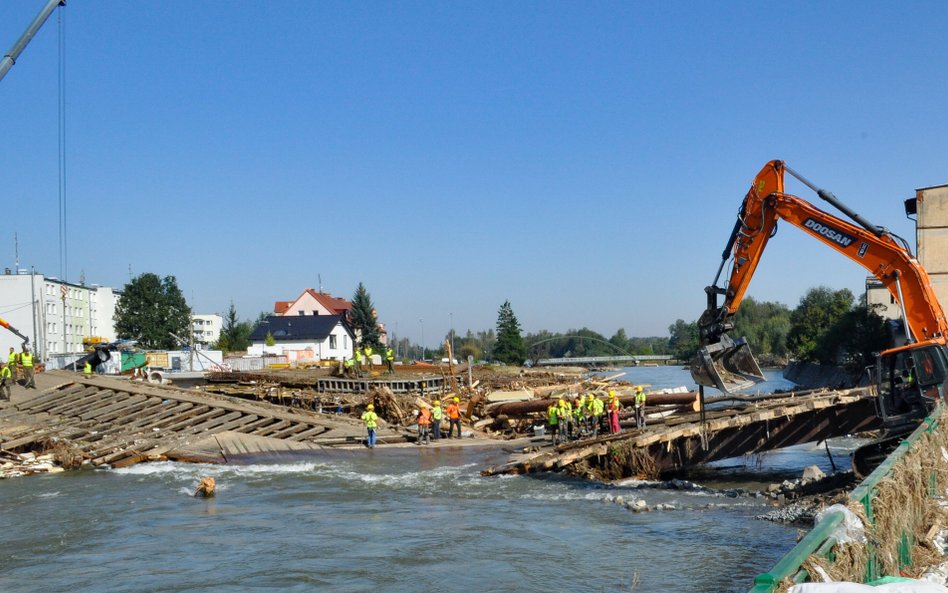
column 424, row 418
column 454, row 412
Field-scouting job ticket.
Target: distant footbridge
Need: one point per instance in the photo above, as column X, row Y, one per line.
column 635, row 360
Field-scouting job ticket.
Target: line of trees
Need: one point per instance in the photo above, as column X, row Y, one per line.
column 827, row 326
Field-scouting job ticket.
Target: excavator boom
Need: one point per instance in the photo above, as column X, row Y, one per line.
column 728, row 364
column 25, row 339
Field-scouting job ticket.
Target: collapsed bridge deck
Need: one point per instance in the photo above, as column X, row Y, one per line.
column 683, row 441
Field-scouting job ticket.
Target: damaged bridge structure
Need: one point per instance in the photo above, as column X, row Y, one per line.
column 678, row 442
column 104, row 421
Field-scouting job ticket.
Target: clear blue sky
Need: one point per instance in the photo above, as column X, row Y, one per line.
column 583, row 160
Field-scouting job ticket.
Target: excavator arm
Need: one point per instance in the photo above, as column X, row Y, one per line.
column 25, row 339
column 728, row 364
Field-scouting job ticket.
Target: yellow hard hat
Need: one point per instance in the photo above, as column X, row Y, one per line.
column 561, row 401
column 638, row 388
column 424, row 405
column 456, row 399
column 612, row 393
column 370, row 407
column 437, row 402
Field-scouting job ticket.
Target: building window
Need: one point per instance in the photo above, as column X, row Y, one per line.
column 332, row 341
column 302, row 312
column 315, row 312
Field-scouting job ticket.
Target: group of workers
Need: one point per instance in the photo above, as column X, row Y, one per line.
column 588, row 416
column 429, row 422
column 353, row 366
column 22, row 361
column 430, row 419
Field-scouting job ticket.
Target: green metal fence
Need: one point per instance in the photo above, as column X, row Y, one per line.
column 819, row 540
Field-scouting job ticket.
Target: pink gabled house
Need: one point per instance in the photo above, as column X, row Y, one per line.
column 313, row 302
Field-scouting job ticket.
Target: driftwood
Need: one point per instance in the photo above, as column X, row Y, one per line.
column 206, row 487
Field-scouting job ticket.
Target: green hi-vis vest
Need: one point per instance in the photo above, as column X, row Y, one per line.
column 371, row 419
column 553, row 412
column 26, row 359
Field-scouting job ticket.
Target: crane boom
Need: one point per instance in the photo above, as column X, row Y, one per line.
column 11, row 56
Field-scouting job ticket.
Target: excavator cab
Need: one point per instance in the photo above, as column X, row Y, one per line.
column 910, row 381
column 726, row 365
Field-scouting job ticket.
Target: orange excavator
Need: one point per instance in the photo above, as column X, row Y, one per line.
column 910, row 377
column 26, row 340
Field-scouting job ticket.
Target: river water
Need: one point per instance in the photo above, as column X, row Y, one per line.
column 383, row 520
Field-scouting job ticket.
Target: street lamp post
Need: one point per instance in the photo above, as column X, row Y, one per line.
column 451, row 315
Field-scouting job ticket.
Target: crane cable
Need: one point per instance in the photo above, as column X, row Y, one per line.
column 63, row 250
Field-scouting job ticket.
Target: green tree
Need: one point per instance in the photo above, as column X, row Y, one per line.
column 814, row 328
column 469, row 348
column 269, row 340
column 363, row 319
column 150, row 309
column 683, row 342
column 510, row 347
column 765, row 325
column 621, row 341
column 858, row 336
column 235, row 335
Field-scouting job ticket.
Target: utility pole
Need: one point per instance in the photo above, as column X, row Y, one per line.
column 451, row 331
column 422, row 322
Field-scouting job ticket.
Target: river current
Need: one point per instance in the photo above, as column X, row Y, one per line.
column 388, row 521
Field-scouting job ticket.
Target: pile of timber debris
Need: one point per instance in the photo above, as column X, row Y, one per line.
column 498, row 402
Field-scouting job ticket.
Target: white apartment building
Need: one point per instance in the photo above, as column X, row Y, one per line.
column 55, row 315
column 206, row 330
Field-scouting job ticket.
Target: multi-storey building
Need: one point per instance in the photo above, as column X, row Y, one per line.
column 55, row 315
column 206, row 329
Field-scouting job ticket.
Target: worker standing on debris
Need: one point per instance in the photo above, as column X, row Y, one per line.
column 566, row 418
column 598, row 407
column 371, row 420
column 613, row 412
column 552, row 415
column 424, row 425
column 454, row 417
column 579, row 416
column 87, row 369
column 390, row 360
column 348, row 367
column 639, row 407
column 590, row 414
column 6, row 380
column 26, row 359
column 358, row 362
column 436, row 415
column 367, row 352
column 11, row 362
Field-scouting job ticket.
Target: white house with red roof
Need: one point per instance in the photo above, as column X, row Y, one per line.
column 313, row 302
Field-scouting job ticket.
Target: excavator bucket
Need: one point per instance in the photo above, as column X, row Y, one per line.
column 726, row 365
